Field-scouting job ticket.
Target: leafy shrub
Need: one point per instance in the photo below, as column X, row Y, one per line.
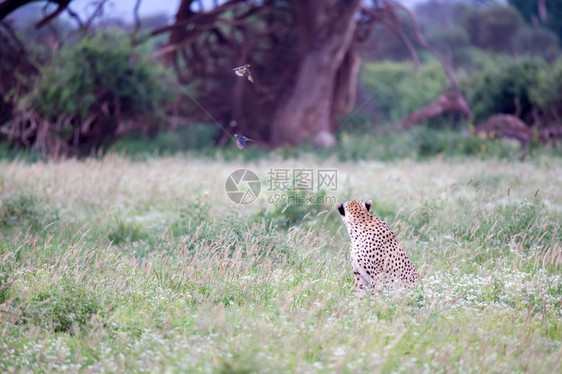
column 97, row 71
column 450, row 38
column 492, row 27
column 396, row 90
column 504, row 89
column 547, row 93
column 529, row 10
column 62, row 307
column 538, row 42
column 89, row 90
column 475, row 59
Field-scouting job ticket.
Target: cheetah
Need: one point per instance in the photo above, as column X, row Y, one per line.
column 376, row 258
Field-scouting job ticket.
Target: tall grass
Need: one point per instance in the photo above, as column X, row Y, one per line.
column 119, row 265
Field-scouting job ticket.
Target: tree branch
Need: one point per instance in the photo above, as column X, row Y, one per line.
column 445, row 61
column 62, row 6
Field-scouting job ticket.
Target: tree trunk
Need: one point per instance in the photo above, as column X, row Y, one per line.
column 325, row 34
column 178, row 34
column 345, row 92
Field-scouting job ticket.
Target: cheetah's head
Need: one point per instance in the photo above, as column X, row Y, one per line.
column 354, row 211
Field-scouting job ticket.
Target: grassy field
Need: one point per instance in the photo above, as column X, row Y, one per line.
column 117, row 265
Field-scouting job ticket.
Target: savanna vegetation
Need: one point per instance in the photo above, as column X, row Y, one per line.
column 120, row 250
column 77, row 86
column 144, row 264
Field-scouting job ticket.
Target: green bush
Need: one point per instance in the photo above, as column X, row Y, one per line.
column 492, row 27
column 547, row 94
column 538, row 42
column 450, row 38
column 529, row 9
column 94, row 92
column 62, row 307
column 504, row 89
column 100, row 71
column 396, row 90
column 475, row 59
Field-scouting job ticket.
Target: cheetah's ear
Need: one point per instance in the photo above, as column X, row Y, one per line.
column 340, row 208
column 368, row 205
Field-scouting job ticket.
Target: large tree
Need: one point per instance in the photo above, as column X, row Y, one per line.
column 303, row 57
column 325, row 74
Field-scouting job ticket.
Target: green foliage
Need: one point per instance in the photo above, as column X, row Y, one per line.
column 450, row 38
column 237, row 236
column 359, row 143
column 529, row 10
column 420, row 143
column 539, row 42
column 24, row 209
column 474, row 59
column 518, row 220
column 396, row 90
column 196, row 213
column 5, row 273
column 492, row 27
column 98, row 71
column 504, row 89
column 224, row 296
column 125, row 232
column 198, row 136
column 62, row 307
column 91, row 93
column 546, row 93
column 526, row 224
column 529, row 88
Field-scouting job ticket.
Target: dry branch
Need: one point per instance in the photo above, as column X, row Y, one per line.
column 448, row 102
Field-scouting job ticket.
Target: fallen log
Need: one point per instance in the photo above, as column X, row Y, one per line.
column 448, row 102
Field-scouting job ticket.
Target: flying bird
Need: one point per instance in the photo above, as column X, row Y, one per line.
column 244, row 71
column 241, row 141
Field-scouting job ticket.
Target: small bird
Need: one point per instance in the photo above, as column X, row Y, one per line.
column 244, row 71
column 241, row 141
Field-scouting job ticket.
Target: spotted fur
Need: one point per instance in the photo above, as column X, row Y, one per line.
column 376, row 257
